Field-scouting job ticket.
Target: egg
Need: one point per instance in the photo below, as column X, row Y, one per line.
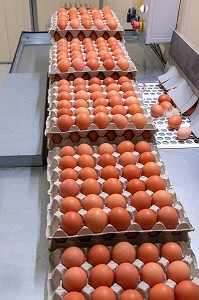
column 162, row 198
column 64, row 96
column 125, row 146
column 101, row 275
column 142, row 146
column 80, row 103
column 67, row 162
column 112, row 24
column 123, row 79
column 71, row 223
column 161, row 291
column 69, row 187
column 95, row 95
column 123, row 64
column 186, row 289
column 78, row 81
column 119, row 218
column 84, row 149
column 69, row 204
column 90, row 186
column 86, row 173
column 108, row 81
column 127, row 276
column 146, row 218
column 74, row 296
column 62, row 24
column 99, row 24
column 146, row 157
column 72, row 257
column 109, row 172
column 85, row 160
column 98, row 254
column 103, row 292
column 168, row 216
column 99, row 102
column 147, row 252
column 164, row 97
column 67, row 150
column 120, row 121
column 83, row 121
column 123, row 252
column 111, row 94
column 151, row 168
column 64, row 88
column 171, row 251
column 96, row 220
column 115, row 100
column 92, row 201
column 126, row 86
column 81, row 95
column 63, row 65
column 105, row 148
column 93, row 64
column 167, row 106
column 135, row 185
column 68, row 173
column 100, row 108
column 139, row 120
column 141, row 200
column 178, row 271
column 112, row 186
column 183, row 133
column 174, row 121
column 109, row 64
column 128, row 94
column 101, row 120
column 74, row 279
column 119, row 109
column 115, row 200
column 131, row 294
column 152, row 273
column 157, row 110
column 131, row 172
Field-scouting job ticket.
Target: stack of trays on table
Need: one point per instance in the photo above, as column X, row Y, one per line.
column 115, row 226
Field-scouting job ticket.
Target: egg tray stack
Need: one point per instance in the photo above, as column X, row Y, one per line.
column 54, row 101
column 140, row 259
column 54, row 70
column 54, row 215
column 81, row 32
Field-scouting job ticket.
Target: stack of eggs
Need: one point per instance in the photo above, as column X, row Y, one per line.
column 112, row 208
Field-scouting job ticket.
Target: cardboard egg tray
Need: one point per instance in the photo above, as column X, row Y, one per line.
column 119, row 31
column 53, row 69
column 56, row 291
column 54, row 231
column 75, row 139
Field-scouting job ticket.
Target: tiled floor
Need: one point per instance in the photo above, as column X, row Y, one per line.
column 4, row 70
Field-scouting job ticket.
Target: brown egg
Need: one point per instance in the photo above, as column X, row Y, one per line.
column 63, row 82
column 171, row 251
column 83, row 121
column 69, row 204
column 146, row 218
column 64, row 111
column 128, row 94
column 108, row 81
column 131, row 172
column 98, row 254
column 112, row 24
column 151, row 168
column 100, row 101
column 95, row 87
column 112, row 186
column 125, row 146
column 74, row 279
column 164, row 97
column 72, row 257
column 96, row 220
column 67, row 162
column 152, row 273
column 69, row 187
column 80, row 87
column 157, row 110
column 85, row 160
column 95, row 95
column 103, row 292
column 68, row 173
column 113, row 87
column 186, row 289
column 146, row 157
column 64, row 96
column 74, row 295
column 75, row 137
column 84, row 149
column 168, row 216
column 155, row 183
column 119, row 218
column 101, row 120
column 126, row 86
column 141, row 200
column 174, row 121
column 119, row 109
column 134, row 108
column 94, row 80
column 135, row 185
column 80, row 103
column 90, row 186
column 123, row 79
column 115, row 200
column 86, row 173
column 167, row 106
column 93, row 64
column 127, row 276
column 123, row 63
column 101, row 275
column 120, row 121
column 67, row 150
column 161, row 291
column 64, row 103
column 100, row 108
column 78, row 81
column 147, row 252
column 127, row 158
column 105, row 148
column 92, row 201
column 64, row 88
column 162, row 198
column 178, row 271
column 132, row 100
column 63, row 65
column 105, row 56
column 131, row 294
column 62, row 24
column 111, row 94
column 81, row 95
column 123, row 252
column 87, row 24
column 109, row 64
column 142, row 146
column 106, row 159
column 71, row 223
column 99, row 24
column 115, row 100
column 139, row 120
column 109, row 172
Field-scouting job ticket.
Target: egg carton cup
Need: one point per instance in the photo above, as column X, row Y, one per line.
column 87, row 32
column 56, row 271
column 54, row 231
column 101, row 139
column 53, row 93
column 53, row 170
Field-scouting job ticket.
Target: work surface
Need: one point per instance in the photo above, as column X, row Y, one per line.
column 23, row 202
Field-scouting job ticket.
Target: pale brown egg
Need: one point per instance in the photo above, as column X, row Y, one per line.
column 131, row 100
column 164, row 97
column 123, row 63
column 127, row 158
column 96, row 220
column 157, row 110
column 81, row 95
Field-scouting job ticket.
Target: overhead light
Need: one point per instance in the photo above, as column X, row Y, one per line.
column 144, row 8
